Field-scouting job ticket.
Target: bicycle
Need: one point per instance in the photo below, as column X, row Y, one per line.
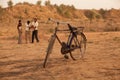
column 73, row 43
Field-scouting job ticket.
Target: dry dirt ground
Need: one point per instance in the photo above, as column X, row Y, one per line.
column 24, row 62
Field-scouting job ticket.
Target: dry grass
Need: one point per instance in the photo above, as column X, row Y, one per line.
column 25, row 61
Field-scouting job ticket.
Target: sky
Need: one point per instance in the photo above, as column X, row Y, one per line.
column 79, row 4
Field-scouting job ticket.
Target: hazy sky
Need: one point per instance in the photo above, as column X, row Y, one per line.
column 80, row 4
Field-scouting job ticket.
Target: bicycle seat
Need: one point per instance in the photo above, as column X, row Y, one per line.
column 71, row 28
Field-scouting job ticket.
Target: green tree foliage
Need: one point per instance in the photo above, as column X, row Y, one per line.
column 10, row 3
column 39, row 2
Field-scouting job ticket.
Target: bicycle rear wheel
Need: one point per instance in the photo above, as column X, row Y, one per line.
column 79, row 46
column 49, row 49
column 83, row 45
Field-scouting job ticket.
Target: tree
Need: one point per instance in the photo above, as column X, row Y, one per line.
column 47, row 3
column 73, row 7
column 102, row 12
column 89, row 14
column 10, row 3
column 39, row 2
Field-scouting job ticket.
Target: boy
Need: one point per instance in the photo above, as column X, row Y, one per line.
column 35, row 31
column 19, row 27
column 27, row 31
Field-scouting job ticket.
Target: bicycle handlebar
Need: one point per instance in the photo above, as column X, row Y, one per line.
column 71, row 28
column 56, row 21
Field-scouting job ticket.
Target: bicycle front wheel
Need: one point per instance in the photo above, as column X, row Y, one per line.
column 49, row 49
column 79, row 46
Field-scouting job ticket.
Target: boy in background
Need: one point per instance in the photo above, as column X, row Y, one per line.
column 35, row 31
column 19, row 28
column 27, row 31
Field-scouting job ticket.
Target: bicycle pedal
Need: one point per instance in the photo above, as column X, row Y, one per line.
column 66, row 56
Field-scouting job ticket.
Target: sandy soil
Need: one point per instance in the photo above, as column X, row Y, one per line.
column 24, row 62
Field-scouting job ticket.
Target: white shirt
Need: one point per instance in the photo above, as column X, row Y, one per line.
column 27, row 26
column 35, row 24
column 20, row 28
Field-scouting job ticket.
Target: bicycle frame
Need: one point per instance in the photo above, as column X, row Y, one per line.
column 72, row 35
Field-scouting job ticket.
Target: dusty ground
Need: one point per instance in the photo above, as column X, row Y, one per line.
column 24, row 62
